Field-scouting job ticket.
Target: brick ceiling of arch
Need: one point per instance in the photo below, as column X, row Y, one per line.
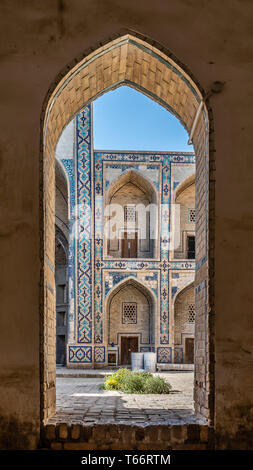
column 130, row 61
column 133, row 177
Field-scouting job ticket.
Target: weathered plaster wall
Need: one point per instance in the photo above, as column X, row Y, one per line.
column 214, row 40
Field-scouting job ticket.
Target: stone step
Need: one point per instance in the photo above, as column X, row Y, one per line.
column 72, row 436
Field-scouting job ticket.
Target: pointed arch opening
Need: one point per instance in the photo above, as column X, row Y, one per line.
column 131, row 320
column 151, row 69
column 184, row 325
column 184, row 233
column 131, row 222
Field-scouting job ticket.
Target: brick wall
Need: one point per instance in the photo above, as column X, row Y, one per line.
column 118, row 437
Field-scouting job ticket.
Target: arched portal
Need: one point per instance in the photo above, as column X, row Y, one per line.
column 131, row 320
column 61, row 287
column 184, row 246
column 148, row 68
column 184, row 325
column 61, row 262
column 133, row 228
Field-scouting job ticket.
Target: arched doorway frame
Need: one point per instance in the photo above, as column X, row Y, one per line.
column 184, row 289
column 135, row 177
column 137, row 61
column 145, row 290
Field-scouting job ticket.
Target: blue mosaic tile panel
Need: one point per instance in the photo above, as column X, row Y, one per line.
column 69, row 166
column 70, row 170
column 84, row 242
column 98, row 249
column 186, row 265
column 80, row 354
column 99, row 354
column 130, row 265
column 164, row 250
column 164, row 355
column 178, row 355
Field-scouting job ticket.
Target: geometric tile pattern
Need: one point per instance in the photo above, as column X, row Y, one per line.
column 68, row 164
column 99, row 354
column 178, row 355
column 164, row 355
column 80, row 354
column 84, row 268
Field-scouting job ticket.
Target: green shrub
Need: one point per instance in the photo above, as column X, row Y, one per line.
column 157, row 385
column 120, row 375
column 116, row 380
column 111, row 384
column 143, row 374
column 136, row 382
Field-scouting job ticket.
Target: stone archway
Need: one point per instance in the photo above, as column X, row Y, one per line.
column 131, row 313
column 61, row 288
column 144, row 326
column 185, row 200
column 132, row 189
column 151, row 70
column 184, row 324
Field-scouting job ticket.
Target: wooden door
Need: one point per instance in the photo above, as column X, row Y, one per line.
column 189, row 350
column 129, row 245
column 129, row 344
column 124, row 246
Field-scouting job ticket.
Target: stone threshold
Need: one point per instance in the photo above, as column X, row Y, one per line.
column 80, row 436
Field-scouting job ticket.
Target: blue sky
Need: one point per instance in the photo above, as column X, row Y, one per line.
column 125, row 119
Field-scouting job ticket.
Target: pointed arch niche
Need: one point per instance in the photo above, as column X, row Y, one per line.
column 130, row 313
column 131, row 228
column 148, row 67
column 184, row 324
column 184, row 198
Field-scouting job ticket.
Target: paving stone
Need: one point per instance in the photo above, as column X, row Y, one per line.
column 81, row 399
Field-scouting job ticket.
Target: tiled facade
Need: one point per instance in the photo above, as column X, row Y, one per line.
column 93, row 275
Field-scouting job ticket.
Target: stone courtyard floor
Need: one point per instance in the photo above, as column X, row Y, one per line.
column 80, row 400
